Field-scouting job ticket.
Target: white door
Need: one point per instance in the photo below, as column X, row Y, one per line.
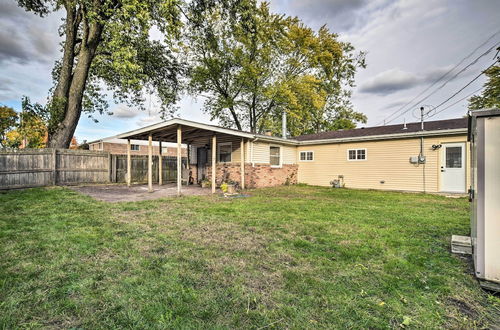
column 453, row 167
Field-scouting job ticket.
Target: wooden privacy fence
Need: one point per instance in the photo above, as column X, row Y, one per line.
column 45, row 167
column 140, row 168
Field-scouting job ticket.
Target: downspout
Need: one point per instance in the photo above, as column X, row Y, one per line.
column 421, row 157
column 251, row 151
column 251, row 174
column 423, row 160
column 283, row 125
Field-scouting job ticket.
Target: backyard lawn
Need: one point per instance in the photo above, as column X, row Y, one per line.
column 287, row 257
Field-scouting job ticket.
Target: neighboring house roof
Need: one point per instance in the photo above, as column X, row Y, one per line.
column 429, row 126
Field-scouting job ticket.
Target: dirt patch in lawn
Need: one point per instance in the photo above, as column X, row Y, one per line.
column 121, row 193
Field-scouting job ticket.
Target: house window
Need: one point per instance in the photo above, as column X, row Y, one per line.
column 453, row 157
column 274, row 156
column 306, row 156
column 225, row 150
column 356, row 154
column 134, row 147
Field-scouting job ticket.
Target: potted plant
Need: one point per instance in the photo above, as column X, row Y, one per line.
column 229, row 187
column 205, row 183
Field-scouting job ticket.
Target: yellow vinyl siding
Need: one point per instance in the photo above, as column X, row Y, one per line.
column 386, row 161
column 289, row 154
column 235, row 141
column 261, row 153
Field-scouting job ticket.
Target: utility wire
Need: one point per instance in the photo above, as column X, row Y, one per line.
column 444, row 76
column 467, row 85
column 456, row 102
column 444, row 84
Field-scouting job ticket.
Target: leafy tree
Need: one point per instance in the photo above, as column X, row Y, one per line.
column 107, row 48
column 252, row 65
column 28, row 128
column 13, row 139
column 8, row 119
column 33, row 124
column 490, row 97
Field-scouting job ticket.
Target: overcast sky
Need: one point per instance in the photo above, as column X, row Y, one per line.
column 409, row 45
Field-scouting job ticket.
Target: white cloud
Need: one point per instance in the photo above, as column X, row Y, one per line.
column 123, row 111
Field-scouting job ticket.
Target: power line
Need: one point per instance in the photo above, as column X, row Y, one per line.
column 444, row 84
column 456, row 102
column 467, row 85
column 444, row 75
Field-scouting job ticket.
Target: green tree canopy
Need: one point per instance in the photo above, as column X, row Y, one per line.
column 490, row 96
column 29, row 126
column 107, row 48
column 8, row 120
column 252, row 65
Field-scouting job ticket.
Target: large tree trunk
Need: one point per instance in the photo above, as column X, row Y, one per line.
column 73, row 18
column 70, row 87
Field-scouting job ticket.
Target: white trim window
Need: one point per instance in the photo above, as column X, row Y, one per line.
column 135, row 147
column 224, row 152
column 306, row 156
column 356, row 154
column 275, row 156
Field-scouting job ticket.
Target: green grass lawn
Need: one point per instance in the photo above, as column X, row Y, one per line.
column 287, row 257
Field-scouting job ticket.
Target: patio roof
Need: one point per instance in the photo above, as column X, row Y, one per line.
column 193, row 132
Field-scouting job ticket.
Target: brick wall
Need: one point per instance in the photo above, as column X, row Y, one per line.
column 267, row 176
column 258, row 176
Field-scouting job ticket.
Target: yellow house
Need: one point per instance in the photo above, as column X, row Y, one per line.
column 408, row 157
column 395, row 157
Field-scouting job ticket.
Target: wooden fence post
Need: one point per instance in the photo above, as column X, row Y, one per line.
column 109, row 166
column 115, row 168
column 54, row 166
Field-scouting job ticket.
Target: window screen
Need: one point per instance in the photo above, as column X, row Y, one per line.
column 453, row 157
column 274, row 153
column 306, row 155
column 356, row 154
column 225, row 152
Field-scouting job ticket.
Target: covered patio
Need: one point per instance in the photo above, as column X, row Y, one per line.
column 206, row 144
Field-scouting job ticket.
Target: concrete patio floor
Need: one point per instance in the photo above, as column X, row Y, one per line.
column 137, row 192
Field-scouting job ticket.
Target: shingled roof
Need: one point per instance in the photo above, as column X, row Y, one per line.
column 436, row 125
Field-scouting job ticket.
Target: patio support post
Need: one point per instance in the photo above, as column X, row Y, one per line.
column 214, row 155
column 150, row 163
column 129, row 164
column 242, row 161
column 160, row 170
column 188, row 164
column 179, row 160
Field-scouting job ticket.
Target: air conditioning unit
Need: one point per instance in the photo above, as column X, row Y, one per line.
column 484, row 195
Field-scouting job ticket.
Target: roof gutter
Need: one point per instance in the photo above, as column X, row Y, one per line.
column 456, row 131
column 178, row 121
